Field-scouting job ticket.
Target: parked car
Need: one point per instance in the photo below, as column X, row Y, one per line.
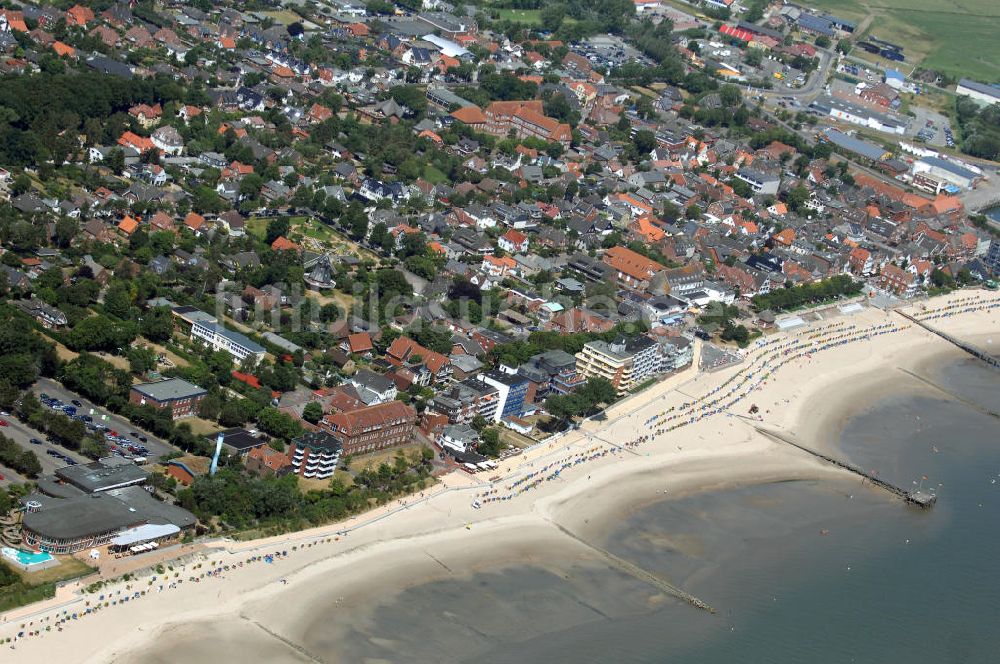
column 76, row 403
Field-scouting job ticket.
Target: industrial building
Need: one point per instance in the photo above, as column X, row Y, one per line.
column 935, row 175
column 859, row 115
column 982, row 93
column 855, row 146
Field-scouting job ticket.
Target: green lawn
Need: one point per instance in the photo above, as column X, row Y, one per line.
column 957, row 37
column 434, row 175
column 257, row 226
column 526, row 16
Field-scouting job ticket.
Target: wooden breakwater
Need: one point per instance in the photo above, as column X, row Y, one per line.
column 971, row 350
column 641, row 574
column 918, row 498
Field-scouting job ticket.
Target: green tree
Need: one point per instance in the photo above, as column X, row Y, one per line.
column 644, row 141
column 66, row 231
column 552, row 16
column 313, row 412
column 797, row 197
column 118, row 299
column 157, row 324
column 277, row 227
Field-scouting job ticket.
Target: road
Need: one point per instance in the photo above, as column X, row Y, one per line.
column 156, row 447
column 813, row 87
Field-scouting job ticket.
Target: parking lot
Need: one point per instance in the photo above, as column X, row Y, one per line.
column 22, row 434
column 930, row 127
column 156, row 447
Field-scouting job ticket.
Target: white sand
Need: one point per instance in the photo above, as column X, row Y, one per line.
column 441, row 534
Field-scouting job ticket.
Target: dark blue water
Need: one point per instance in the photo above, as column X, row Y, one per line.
column 819, row 572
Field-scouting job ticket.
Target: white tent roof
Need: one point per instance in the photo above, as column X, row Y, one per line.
column 145, row 533
column 851, row 308
column 448, row 47
column 789, row 323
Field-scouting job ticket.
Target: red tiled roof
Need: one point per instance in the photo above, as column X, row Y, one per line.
column 284, row 244
column 377, row 416
column 360, row 342
column 470, row 115
column 630, row 263
column 252, row 381
column 128, row 225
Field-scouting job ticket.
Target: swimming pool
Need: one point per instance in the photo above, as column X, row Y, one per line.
column 26, row 558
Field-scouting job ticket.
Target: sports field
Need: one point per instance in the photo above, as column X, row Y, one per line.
column 957, row 37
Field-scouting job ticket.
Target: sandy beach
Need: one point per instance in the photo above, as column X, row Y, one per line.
column 546, row 505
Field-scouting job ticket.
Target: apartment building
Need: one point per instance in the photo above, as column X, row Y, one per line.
column 624, row 364
column 315, row 455
column 552, row 372
column 461, row 402
column 514, row 392
column 760, row 182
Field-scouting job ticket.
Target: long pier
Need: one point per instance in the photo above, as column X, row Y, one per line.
column 639, row 573
column 918, row 498
column 971, row 350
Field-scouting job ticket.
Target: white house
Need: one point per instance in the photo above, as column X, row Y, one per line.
column 168, row 140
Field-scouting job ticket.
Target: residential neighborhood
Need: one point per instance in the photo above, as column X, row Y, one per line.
column 321, row 255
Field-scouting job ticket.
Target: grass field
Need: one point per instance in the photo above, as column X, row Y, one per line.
column 257, row 226
column 68, row 568
column 957, row 37
column 526, row 16
column 284, row 17
column 434, row 175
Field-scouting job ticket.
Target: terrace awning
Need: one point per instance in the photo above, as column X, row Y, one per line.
column 145, row 533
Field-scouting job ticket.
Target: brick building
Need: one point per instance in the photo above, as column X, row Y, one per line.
column 527, row 120
column 176, row 394
column 372, row 428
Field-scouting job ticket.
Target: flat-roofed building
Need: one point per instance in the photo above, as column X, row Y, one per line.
column 240, row 442
column 935, row 174
column 177, row 395
column 315, row 455
column 185, row 317
column 760, row 182
column 64, row 526
column 515, row 393
column 624, row 364
column 218, row 337
column 103, row 475
column 981, row 93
